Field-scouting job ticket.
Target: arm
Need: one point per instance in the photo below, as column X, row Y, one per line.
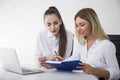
column 110, row 68
column 38, row 53
column 39, row 56
column 111, row 62
column 101, row 72
column 95, row 71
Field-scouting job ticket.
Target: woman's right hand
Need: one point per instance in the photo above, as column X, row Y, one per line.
column 56, row 58
column 86, row 68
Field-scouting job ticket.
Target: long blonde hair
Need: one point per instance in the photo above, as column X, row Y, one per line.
column 91, row 16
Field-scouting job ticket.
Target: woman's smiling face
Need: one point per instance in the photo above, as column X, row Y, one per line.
column 83, row 27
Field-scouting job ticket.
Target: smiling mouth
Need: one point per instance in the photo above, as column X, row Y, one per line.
column 81, row 32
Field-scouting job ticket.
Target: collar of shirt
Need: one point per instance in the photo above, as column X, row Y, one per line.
column 93, row 45
column 50, row 35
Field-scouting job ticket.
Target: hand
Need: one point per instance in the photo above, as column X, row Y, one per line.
column 86, row 68
column 42, row 61
column 59, row 58
column 56, row 58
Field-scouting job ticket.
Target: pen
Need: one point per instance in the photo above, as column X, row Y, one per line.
column 55, row 52
column 56, row 58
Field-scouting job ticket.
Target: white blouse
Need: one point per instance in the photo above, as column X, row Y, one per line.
column 101, row 54
column 47, row 44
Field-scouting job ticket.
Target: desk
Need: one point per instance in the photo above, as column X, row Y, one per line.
column 47, row 75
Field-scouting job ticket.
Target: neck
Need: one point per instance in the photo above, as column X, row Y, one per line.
column 90, row 41
column 91, row 38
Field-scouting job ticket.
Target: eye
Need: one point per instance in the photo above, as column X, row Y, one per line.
column 56, row 22
column 82, row 24
column 48, row 24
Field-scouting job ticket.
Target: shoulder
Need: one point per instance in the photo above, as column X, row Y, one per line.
column 42, row 34
column 107, row 43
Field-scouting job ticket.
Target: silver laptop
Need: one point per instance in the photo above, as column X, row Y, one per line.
column 11, row 63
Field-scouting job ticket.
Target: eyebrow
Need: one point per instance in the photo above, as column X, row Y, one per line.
column 53, row 21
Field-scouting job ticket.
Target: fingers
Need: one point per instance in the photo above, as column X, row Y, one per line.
column 52, row 58
column 82, row 66
column 42, row 59
column 56, row 58
column 59, row 58
column 86, row 68
column 46, row 65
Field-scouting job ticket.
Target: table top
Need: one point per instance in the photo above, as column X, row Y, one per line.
column 50, row 74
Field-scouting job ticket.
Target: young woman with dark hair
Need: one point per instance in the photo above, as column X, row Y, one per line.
column 56, row 42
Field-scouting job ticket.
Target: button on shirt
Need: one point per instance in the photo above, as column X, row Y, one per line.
column 47, row 44
column 101, row 54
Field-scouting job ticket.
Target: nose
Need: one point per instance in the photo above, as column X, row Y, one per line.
column 52, row 27
column 78, row 28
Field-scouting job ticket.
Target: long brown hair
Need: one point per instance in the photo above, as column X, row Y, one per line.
column 62, row 31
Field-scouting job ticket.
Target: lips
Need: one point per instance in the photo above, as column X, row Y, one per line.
column 53, row 31
column 81, row 32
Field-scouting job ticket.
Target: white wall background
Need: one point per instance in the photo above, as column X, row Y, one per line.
column 22, row 20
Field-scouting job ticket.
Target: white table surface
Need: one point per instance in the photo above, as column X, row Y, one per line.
column 47, row 75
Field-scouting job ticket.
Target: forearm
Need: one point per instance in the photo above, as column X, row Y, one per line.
column 102, row 73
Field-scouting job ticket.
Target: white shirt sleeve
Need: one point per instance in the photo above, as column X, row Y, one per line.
column 111, row 62
column 38, row 52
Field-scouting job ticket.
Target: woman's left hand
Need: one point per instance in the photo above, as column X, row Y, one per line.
column 42, row 61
